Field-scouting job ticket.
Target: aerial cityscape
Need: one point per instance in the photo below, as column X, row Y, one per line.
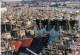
column 40, row 27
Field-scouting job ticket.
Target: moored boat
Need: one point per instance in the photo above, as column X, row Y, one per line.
column 38, row 44
column 16, row 45
column 6, row 48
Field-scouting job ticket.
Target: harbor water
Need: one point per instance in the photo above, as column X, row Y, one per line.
column 54, row 31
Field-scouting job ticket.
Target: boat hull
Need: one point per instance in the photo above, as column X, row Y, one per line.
column 16, row 45
column 26, row 43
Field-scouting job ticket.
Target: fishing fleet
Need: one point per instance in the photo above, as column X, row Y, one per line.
column 36, row 31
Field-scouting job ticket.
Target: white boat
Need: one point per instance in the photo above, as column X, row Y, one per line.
column 21, row 33
column 5, row 20
column 67, row 16
column 76, row 18
column 6, row 35
column 6, row 48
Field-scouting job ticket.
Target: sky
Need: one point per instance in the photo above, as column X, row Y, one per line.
column 10, row 0
column 15, row 0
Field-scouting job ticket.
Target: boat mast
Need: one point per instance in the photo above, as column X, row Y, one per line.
column 28, row 11
column 69, row 26
column 11, row 22
column 41, row 16
column 16, row 21
column 5, row 27
column 5, row 31
column 79, row 23
column 49, row 11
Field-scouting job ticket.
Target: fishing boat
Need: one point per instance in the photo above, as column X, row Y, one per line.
column 5, row 20
column 38, row 43
column 18, row 32
column 75, row 47
column 5, row 48
column 66, row 16
column 21, row 33
column 22, row 37
column 14, row 32
column 15, row 44
column 76, row 18
column 6, row 35
column 29, row 24
column 9, row 39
